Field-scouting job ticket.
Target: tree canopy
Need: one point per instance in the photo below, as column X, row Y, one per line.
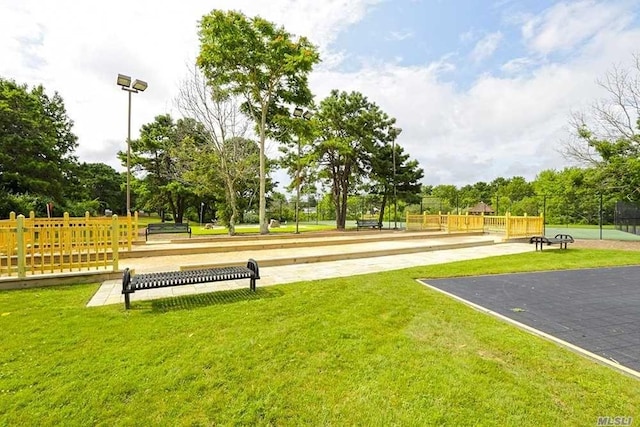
column 36, row 141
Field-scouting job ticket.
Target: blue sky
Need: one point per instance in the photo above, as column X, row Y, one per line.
column 480, row 88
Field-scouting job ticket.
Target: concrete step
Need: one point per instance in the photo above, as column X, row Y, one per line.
column 223, row 244
column 300, row 254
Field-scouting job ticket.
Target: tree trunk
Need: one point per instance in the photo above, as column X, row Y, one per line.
column 382, row 208
column 231, row 196
column 264, row 227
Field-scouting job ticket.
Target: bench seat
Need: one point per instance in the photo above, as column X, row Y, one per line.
column 560, row 239
column 368, row 223
column 166, row 227
column 137, row 282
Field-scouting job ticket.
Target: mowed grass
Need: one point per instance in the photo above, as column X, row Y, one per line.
column 198, row 230
column 376, row 349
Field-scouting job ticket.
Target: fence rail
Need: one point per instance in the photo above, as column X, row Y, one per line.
column 53, row 245
column 510, row 226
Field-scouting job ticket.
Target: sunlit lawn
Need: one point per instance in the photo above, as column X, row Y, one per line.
column 377, row 349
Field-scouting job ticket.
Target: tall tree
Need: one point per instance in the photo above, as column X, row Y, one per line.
column 156, row 154
column 351, row 127
column 36, row 141
column 222, row 158
column 262, row 63
column 608, row 136
column 401, row 181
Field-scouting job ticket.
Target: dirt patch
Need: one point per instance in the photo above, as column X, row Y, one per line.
column 624, row 245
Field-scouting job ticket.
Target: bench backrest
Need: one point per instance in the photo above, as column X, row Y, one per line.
column 168, row 226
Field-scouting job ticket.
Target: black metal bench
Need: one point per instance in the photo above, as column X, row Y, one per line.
column 368, row 223
column 561, row 239
column 138, row 282
column 166, row 227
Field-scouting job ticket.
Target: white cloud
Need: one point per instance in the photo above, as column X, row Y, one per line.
column 566, row 25
column 485, row 47
column 517, row 65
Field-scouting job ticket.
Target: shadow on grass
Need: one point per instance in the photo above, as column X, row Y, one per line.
column 188, row 302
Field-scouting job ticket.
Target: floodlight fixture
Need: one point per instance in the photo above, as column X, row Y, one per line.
column 139, row 85
column 124, row 81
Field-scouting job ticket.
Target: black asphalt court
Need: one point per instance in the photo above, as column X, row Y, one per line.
column 597, row 310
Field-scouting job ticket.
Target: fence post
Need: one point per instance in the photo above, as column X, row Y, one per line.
column 507, row 225
column 134, row 236
column 114, row 242
column 22, row 259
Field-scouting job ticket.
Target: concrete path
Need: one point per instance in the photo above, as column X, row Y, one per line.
column 110, row 291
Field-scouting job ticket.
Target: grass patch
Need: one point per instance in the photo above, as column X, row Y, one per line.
column 198, row 230
column 378, row 349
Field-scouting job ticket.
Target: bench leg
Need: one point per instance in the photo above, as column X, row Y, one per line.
column 127, row 302
column 252, row 284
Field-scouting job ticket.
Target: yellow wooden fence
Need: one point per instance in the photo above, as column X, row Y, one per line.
column 508, row 225
column 54, row 245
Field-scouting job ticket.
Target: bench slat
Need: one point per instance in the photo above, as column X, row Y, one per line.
column 561, row 239
column 132, row 283
column 165, row 227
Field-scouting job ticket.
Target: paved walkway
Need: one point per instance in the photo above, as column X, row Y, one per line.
column 110, row 291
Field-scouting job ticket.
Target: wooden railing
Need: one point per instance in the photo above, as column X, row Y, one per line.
column 508, row 225
column 52, row 245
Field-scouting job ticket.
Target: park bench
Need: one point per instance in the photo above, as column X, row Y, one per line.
column 167, row 227
column 368, row 223
column 561, row 239
column 137, row 282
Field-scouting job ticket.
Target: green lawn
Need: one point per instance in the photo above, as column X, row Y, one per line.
column 379, row 349
column 199, row 230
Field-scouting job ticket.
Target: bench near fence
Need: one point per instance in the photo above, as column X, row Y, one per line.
column 368, row 223
column 138, row 282
column 167, row 227
column 561, row 239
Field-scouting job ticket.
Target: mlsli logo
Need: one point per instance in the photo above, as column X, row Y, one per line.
column 614, row 421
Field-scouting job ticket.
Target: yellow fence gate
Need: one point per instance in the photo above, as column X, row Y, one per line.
column 56, row 245
column 511, row 227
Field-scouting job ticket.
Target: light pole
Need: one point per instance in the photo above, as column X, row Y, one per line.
column 396, row 132
column 299, row 113
column 138, row 86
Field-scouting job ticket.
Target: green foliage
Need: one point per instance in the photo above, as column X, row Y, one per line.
column 98, row 182
column 36, row 142
column 571, row 195
column 352, row 127
column 401, row 180
column 21, row 204
column 618, row 171
column 263, row 63
column 157, row 154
